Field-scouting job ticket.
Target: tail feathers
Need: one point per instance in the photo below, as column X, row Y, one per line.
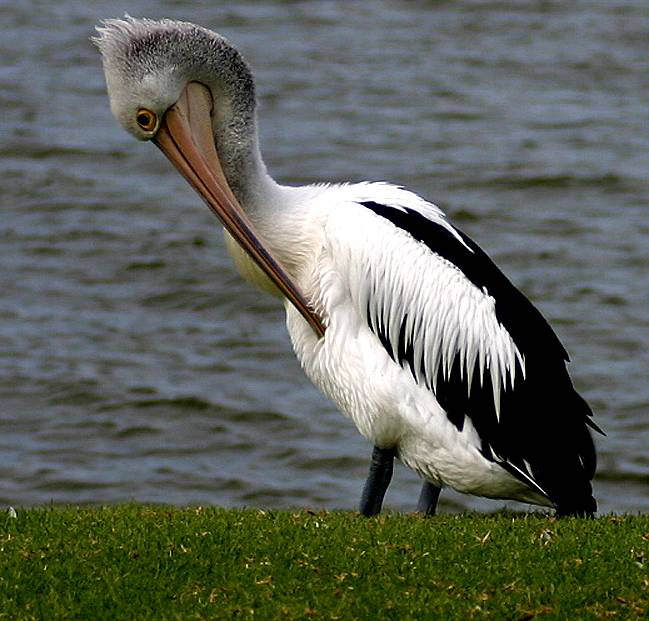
column 570, row 492
column 566, row 473
column 578, row 504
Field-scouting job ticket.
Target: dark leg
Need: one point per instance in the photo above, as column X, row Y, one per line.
column 377, row 482
column 428, row 499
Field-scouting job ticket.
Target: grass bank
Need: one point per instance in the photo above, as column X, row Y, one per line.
column 140, row 562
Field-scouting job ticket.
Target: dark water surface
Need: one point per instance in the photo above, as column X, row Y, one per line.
column 134, row 364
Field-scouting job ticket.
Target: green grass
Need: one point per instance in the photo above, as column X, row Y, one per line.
column 140, row 562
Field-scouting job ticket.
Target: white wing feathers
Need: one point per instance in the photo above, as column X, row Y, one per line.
column 420, row 304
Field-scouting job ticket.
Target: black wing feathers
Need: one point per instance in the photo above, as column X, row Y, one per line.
column 542, row 428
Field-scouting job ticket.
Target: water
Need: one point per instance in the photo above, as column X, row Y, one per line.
column 134, row 364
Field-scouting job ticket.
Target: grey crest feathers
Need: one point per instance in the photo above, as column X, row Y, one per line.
column 147, row 64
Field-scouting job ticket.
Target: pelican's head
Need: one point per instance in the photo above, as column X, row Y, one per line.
column 190, row 92
column 148, row 64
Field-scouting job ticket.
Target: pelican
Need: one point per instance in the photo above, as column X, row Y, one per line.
column 394, row 314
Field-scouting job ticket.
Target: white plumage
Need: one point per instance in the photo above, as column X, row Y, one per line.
column 357, row 259
column 396, row 315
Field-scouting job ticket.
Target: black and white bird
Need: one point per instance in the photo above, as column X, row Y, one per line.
column 394, row 314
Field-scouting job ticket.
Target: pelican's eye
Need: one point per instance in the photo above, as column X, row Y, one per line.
column 146, row 119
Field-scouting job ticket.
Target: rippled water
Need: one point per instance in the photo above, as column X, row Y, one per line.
column 134, row 364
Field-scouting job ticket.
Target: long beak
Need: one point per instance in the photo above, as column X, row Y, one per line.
column 185, row 137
